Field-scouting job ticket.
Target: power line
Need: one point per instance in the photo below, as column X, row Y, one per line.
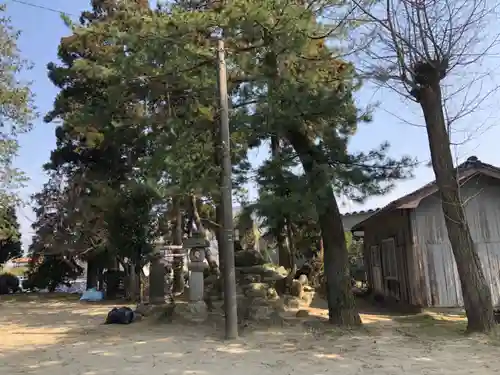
column 53, row 10
column 43, row 7
column 26, row 217
column 60, row 12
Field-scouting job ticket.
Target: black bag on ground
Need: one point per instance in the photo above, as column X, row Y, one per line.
column 121, row 315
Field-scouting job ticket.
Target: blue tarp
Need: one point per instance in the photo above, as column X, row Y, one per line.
column 92, row 295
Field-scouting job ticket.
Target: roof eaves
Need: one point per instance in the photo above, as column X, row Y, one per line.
column 465, row 171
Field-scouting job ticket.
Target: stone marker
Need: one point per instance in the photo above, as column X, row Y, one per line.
column 197, row 307
column 157, row 273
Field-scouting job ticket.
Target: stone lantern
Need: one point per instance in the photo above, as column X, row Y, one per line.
column 197, row 246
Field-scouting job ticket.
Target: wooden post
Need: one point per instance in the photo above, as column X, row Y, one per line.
column 227, row 201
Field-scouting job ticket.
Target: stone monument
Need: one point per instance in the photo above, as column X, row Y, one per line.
column 158, row 287
column 196, row 245
column 156, row 280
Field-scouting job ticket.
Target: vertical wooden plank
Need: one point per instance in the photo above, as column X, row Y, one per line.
column 443, row 288
column 368, row 262
column 431, row 269
column 442, row 261
column 412, row 275
column 377, row 276
column 422, row 281
column 376, row 269
column 450, row 285
column 482, row 252
column 455, row 279
column 495, row 290
column 401, row 274
column 424, row 267
column 492, row 252
column 420, row 289
column 407, row 259
column 439, row 257
column 458, row 285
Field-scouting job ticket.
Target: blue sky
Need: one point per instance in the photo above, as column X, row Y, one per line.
column 395, row 120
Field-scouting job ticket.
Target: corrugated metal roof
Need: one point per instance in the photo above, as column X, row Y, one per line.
column 361, row 212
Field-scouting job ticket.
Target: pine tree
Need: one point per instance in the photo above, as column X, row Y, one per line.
column 10, row 235
column 309, row 104
column 16, row 110
column 139, row 104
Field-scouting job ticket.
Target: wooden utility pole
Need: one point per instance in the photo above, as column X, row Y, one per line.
column 230, row 304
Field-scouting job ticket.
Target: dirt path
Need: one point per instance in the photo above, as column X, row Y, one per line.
column 60, row 338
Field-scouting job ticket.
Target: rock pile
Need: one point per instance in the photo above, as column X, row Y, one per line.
column 246, row 258
column 257, row 296
column 263, row 290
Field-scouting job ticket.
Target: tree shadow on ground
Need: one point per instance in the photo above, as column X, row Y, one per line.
column 62, row 336
column 371, row 312
column 428, row 323
column 49, row 310
column 432, row 324
column 57, row 334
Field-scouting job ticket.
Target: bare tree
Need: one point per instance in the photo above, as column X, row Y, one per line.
column 420, row 42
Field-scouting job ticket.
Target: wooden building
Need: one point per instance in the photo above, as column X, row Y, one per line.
column 406, row 248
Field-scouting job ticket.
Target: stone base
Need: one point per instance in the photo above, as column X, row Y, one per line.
column 193, row 311
column 196, row 286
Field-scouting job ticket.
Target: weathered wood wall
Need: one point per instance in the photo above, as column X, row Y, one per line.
column 394, row 224
column 432, row 249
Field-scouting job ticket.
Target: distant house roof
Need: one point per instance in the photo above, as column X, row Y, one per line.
column 465, row 171
column 20, row 260
column 362, row 212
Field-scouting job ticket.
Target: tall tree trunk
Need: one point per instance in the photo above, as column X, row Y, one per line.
column 100, row 278
column 341, row 304
column 188, row 225
column 195, row 215
column 178, row 262
column 91, row 274
column 279, row 231
column 112, row 278
column 136, row 292
column 283, row 250
column 157, row 273
column 273, row 76
column 218, row 233
column 140, row 285
column 132, row 282
column 212, row 262
column 291, row 242
column 475, row 290
column 218, row 158
column 156, row 280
